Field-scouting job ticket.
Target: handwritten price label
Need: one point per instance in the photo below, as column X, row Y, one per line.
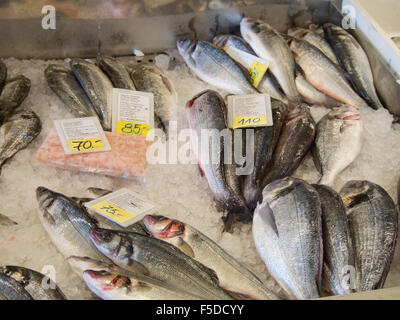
column 133, row 129
column 113, row 212
column 249, row 122
column 257, row 71
column 79, row 145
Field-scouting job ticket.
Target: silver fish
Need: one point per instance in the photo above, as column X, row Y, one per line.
column 159, row 260
column 151, row 79
column 231, row 274
column 215, row 67
column 323, row 74
column 288, row 236
column 17, row 133
column 337, row 143
column 11, row 289
column 355, row 61
column 373, row 222
column 39, row 286
column 64, row 84
column 338, row 250
column 116, row 71
column 268, row 44
column 97, row 87
column 206, row 111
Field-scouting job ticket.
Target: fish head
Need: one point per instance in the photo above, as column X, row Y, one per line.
column 48, row 202
column 106, row 241
column 295, row 46
column 298, row 32
column 249, row 28
column 186, row 47
column 355, row 192
column 346, row 113
column 162, row 227
column 106, row 281
column 221, row 40
column 17, row 273
column 81, row 264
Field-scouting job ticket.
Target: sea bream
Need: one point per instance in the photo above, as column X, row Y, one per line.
column 373, row 222
column 268, row 44
column 287, row 232
column 215, row 67
column 355, row 61
column 337, row 143
column 231, row 274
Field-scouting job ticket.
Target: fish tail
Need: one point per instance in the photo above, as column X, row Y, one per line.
column 327, row 180
column 252, row 194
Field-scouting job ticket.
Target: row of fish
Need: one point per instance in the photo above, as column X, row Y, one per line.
column 316, row 242
column 158, row 258
column 85, row 88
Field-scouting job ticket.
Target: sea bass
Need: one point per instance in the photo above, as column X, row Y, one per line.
column 215, row 67
column 17, row 133
column 288, row 236
column 373, row 222
column 64, row 84
column 97, row 86
column 231, row 274
column 206, row 111
column 116, row 71
column 337, row 143
column 338, row 250
column 323, row 74
column 296, row 138
column 268, row 44
column 355, row 61
column 159, row 260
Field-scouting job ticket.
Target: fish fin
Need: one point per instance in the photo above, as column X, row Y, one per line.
column 185, row 247
column 237, row 295
column 210, row 272
column 201, row 171
column 139, row 268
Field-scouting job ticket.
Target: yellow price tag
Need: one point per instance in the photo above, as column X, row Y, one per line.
column 257, row 71
column 249, row 122
column 113, row 212
column 79, row 145
column 133, row 129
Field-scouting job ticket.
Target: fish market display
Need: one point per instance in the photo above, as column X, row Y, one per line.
column 116, row 71
column 231, row 274
column 288, row 236
column 373, row 223
column 17, row 133
column 296, row 138
column 313, row 96
column 269, row 45
column 97, row 86
column 11, row 289
column 63, row 82
column 355, row 61
column 338, row 142
column 206, row 111
column 151, row 79
column 338, row 250
column 4, row 221
column 159, row 260
column 3, row 74
column 214, row 66
column 265, row 140
column 39, row 286
column 126, row 159
column 323, row 74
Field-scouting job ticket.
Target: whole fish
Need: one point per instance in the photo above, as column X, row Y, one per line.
column 313, row 96
column 39, row 286
column 16, row 89
column 159, row 260
column 64, row 84
column 215, row 67
column 4, row 221
column 265, row 140
column 338, row 250
column 127, row 286
column 373, row 223
column 355, row 61
column 323, row 74
column 288, row 236
column 17, row 133
column 296, row 138
column 11, row 289
column 3, row 74
column 53, row 208
column 116, row 71
column 268, row 44
column 231, row 274
column 338, row 142
column 97, row 87
column 204, row 112
column 151, row 79
column 268, row 84
column 316, row 40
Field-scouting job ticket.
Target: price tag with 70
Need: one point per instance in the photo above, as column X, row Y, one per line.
column 78, row 145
